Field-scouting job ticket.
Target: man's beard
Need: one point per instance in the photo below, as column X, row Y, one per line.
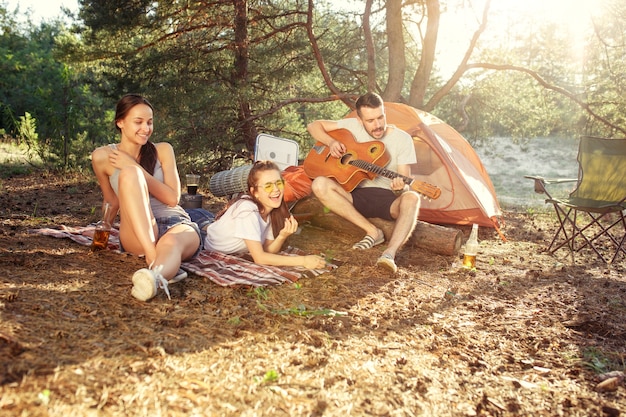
column 378, row 133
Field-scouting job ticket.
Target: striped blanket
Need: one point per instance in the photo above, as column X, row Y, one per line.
column 224, row 270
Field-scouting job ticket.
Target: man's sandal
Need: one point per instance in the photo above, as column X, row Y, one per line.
column 368, row 242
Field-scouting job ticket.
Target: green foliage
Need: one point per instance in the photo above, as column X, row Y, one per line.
column 601, row 362
column 584, row 65
column 44, row 100
column 302, row 311
column 260, row 293
column 14, row 160
column 209, row 103
column 234, row 321
column 27, row 131
column 510, row 104
column 270, row 376
column 99, row 13
column 218, row 76
column 8, row 170
column 603, row 77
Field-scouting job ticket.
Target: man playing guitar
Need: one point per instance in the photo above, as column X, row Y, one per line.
column 378, row 197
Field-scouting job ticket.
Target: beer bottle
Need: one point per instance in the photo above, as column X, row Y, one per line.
column 103, row 229
column 471, row 249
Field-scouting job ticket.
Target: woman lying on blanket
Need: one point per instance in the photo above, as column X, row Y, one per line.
column 140, row 179
column 247, row 224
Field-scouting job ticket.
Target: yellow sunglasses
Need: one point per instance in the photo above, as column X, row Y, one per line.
column 269, row 186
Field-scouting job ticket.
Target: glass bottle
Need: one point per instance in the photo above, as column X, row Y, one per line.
column 103, row 229
column 471, row 249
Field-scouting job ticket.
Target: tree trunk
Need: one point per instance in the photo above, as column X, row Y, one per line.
column 239, row 77
column 435, row 238
column 369, row 47
column 422, row 74
column 397, row 58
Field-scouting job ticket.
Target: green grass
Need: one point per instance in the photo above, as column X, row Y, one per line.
column 14, row 160
column 601, row 362
column 9, row 170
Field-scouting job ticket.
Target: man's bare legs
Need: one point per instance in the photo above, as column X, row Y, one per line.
column 404, row 211
column 339, row 201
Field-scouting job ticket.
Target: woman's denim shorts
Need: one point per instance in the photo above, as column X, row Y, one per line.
column 166, row 223
column 202, row 218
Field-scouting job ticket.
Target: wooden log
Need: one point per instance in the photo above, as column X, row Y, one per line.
column 435, row 238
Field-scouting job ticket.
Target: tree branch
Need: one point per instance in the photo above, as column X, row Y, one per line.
column 443, row 91
column 318, row 56
column 346, row 98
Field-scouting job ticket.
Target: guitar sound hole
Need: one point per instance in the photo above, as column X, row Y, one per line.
column 345, row 158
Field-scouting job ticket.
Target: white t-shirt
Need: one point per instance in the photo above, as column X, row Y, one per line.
column 398, row 144
column 241, row 221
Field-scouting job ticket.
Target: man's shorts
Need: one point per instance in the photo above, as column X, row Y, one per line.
column 373, row 202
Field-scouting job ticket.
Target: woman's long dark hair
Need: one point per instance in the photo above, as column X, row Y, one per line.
column 278, row 215
column 148, row 153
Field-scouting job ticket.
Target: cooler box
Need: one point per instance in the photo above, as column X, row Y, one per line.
column 283, row 152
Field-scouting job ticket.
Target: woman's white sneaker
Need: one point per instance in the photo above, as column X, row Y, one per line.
column 146, row 281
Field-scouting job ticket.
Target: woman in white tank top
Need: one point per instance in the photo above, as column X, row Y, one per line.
column 140, row 179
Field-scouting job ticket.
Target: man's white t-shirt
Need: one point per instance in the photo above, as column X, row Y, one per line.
column 398, row 144
column 241, row 221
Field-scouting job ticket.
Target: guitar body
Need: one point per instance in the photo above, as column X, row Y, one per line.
column 361, row 161
column 319, row 162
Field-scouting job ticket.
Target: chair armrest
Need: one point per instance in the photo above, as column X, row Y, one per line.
column 540, row 183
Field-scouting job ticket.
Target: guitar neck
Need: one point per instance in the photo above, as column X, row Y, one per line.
column 383, row 172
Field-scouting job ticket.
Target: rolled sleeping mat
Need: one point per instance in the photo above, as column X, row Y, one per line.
column 229, row 182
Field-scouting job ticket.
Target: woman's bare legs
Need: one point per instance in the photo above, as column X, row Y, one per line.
column 139, row 231
column 179, row 243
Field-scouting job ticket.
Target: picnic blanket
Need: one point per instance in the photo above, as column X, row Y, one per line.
column 222, row 269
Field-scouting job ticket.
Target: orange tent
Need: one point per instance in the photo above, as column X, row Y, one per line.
column 447, row 160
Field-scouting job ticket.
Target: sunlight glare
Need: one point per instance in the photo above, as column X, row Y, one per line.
column 574, row 17
column 570, row 13
column 42, row 10
column 458, row 25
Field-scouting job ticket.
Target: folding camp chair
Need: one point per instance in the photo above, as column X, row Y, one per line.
column 594, row 214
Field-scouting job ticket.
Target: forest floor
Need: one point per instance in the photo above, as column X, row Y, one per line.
column 526, row 333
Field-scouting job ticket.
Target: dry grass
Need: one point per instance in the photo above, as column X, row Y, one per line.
column 524, row 334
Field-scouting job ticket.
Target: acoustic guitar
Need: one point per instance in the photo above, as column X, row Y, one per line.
column 360, row 162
